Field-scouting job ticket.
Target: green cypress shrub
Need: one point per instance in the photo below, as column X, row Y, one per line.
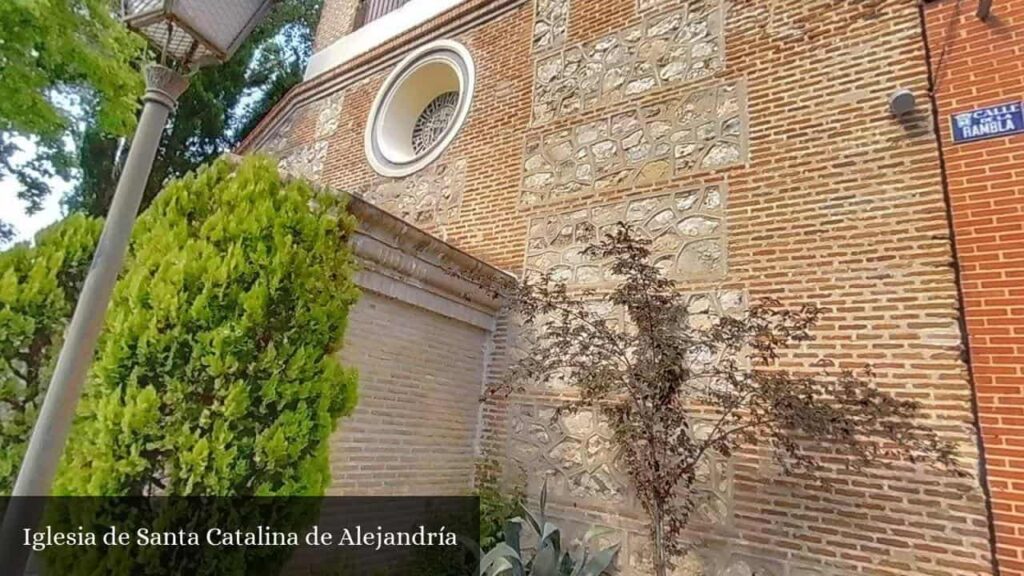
column 39, row 285
column 215, row 373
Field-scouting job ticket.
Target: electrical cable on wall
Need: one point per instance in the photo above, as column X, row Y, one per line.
column 947, row 41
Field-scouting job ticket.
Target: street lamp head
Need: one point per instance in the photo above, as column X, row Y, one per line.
column 194, row 32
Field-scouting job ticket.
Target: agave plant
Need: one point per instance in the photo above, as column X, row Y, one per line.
column 550, row 558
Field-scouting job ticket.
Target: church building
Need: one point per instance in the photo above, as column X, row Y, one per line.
column 866, row 156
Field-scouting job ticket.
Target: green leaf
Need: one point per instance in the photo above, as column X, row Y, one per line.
column 543, row 498
column 546, row 562
column 596, row 532
column 221, row 366
column 551, row 534
column 600, row 561
column 502, row 555
column 39, row 286
column 513, row 531
column 60, row 56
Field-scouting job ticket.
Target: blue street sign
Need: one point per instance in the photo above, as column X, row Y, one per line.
column 990, row 122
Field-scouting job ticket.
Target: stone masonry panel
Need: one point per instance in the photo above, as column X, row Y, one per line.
column 576, row 453
column 328, row 115
column 551, row 21
column 280, row 139
column 839, row 204
column 703, row 309
column 429, row 198
column 305, row 162
column 682, row 45
column 686, row 229
column 704, row 130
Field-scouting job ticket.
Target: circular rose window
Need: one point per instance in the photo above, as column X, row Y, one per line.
column 420, row 108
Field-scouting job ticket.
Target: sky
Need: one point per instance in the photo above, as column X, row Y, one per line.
column 12, row 209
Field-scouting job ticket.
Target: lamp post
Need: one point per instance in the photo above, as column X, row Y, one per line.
column 188, row 34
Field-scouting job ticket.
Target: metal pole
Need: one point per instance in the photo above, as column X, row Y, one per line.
column 163, row 87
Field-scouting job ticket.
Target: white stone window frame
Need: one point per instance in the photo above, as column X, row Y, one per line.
column 387, row 123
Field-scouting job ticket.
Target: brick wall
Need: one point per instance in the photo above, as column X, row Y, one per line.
column 798, row 183
column 336, row 20
column 414, row 429
column 979, row 64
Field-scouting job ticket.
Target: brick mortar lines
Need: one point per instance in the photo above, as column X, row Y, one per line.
column 838, row 204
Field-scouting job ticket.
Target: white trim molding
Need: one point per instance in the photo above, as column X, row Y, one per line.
column 430, row 71
column 376, row 33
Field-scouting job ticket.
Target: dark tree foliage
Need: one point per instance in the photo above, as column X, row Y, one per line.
column 39, row 285
column 675, row 391
column 56, row 57
column 222, row 105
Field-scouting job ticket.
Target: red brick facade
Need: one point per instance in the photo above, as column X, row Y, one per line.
column 820, row 195
column 981, row 63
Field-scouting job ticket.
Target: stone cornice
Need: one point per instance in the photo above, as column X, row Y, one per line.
column 454, row 283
